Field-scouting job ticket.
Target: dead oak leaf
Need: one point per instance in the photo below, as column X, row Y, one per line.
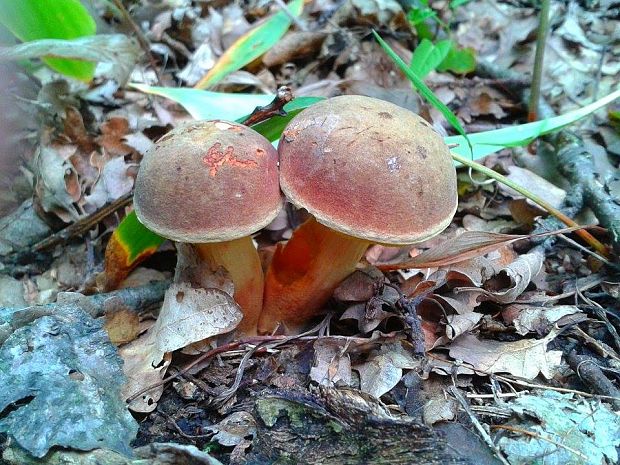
column 112, row 136
column 526, row 358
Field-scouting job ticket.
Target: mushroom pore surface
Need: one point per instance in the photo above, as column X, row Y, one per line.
column 208, row 181
column 369, row 169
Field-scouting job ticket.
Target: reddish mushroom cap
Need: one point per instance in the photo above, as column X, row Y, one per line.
column 370, row 169
column 208, row 181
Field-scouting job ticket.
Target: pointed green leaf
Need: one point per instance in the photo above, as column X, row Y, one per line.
column 423, row 88
column 252, row 45
column 428, row 56
column 485, row 143
column 44, row 19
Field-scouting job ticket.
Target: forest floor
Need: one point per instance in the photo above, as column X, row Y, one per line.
column 501, row 348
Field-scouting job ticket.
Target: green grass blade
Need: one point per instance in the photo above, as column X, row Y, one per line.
column 423, row 88
column 44, row 19
column 485, row 143
column 251, row 45
column 204, row 104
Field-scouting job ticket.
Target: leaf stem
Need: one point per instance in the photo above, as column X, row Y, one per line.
column 585, row 235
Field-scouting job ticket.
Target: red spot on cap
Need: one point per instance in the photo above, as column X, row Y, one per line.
column 216, row 157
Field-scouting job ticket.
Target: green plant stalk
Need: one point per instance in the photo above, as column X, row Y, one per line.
column 539, row 59
column 585, row 235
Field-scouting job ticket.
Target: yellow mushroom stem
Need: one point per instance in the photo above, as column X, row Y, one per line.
column 240, row 258
column 303, row 274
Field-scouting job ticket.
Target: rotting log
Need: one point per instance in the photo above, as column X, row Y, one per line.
column 340, row 427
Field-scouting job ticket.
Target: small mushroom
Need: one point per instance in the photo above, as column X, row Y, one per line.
column 369, row 172
column 213, row 184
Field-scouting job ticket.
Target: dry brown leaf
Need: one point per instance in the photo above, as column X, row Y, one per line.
column 296, row 45
column 57, row 185
column 519, row 273
column 359, row 286
column 366, row 320
column 114, row 181
column 460, row 324
column 332, row 364
column 526, row 358
column 474, row 223
column 190, row 315
column 144, row 366
column 468, row 245
column 383, row 371
column 112, row 136
column 122, row 325
column 233, row 429
column 535, row 184
column 528, row 318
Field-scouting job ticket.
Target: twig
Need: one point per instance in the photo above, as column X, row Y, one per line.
column 576, row 164
column 541, row 40
column 276, row 107
column 553, row 388
column 538, row 436
column 142, row 40
column 82, row 225
column 591, row 374
column 455, row 392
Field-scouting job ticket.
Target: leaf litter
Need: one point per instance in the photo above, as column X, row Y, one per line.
column 481, row 303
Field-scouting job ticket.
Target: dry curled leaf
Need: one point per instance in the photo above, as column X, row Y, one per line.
column 190, row 315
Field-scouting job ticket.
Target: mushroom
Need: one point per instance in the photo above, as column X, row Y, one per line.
column 369, row 172
column 213, row 184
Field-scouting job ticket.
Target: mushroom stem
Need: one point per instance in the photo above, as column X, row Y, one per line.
column 240, row 258
column 303, row 274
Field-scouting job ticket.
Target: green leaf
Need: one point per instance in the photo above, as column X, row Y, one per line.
column 454, row 4
column 423, row 88
column 44, row 19
column 459, row 61
column 204, row 104
column 427, row 56
column 417, row 16
column 131, row 243
column 251, row 45
column 485, row 143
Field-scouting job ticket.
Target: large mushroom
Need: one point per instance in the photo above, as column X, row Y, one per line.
column 369, row 172
column 213, row 184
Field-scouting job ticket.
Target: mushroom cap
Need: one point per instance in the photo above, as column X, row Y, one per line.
column 208, row 181
column 369, row 169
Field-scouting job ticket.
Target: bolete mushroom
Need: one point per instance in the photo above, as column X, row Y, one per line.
column 213, row 184
column 369, row 172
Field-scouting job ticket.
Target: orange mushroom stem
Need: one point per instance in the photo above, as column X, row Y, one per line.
column 240, row 259
column 369, row 172
column 303, row 274
column 213, row 184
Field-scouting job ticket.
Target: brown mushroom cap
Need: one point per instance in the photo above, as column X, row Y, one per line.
column 208, row 181
column 369, row 169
